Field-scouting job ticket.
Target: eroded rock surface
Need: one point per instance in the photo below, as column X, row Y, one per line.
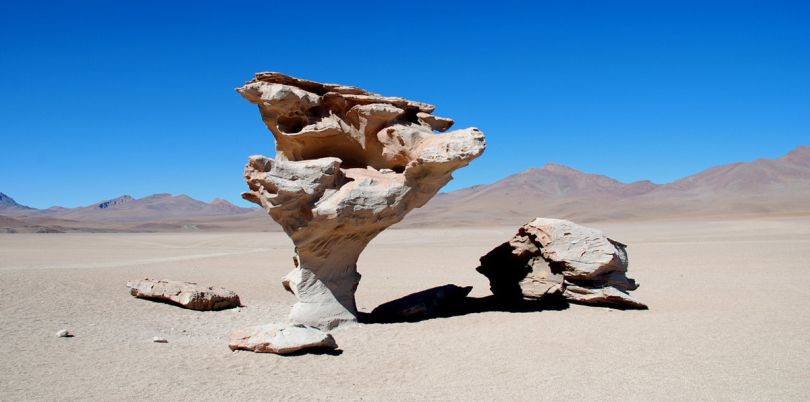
column 557, row 257
column 280, row 339
column 185, row 294
column 607, row 295
column 349, row 163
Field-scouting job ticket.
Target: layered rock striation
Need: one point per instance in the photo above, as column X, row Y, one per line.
column 349, row 163
column 555, row 257
column 184, row 294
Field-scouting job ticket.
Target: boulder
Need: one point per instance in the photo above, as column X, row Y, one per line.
column 429, row 303
column 185, row 294
column 280, row 339
column 558, row 257
column 349, row 163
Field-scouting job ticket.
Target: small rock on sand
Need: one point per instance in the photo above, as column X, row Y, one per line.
column 64, row 334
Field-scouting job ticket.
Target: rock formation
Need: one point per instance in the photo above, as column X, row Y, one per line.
column 185, row 294
column 349, row 163
column 549, row 257
column 280, row 339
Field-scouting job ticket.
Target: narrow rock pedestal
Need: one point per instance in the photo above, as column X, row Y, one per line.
column 349, row 163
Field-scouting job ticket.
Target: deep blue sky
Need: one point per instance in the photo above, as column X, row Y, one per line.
column 105, row 98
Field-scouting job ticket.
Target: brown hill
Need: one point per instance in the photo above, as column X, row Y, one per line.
column 159, row 212
column 8, row 205
column 155, row 207
column 7, row 222
column 763, row 187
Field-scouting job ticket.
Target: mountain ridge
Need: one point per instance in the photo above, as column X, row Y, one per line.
column 7, row 202
column 762, row 187
column 157, row 211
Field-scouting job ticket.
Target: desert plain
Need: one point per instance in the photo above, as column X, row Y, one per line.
column 728, row 320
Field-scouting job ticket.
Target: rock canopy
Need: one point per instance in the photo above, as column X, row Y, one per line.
column 349, row 163
column 555, row 257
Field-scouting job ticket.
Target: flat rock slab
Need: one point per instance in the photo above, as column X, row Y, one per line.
column 280, row 339
column 185, row 294
column 422, row 305
column 606, row 296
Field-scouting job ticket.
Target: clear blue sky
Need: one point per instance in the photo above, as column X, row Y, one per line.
column 107, row 98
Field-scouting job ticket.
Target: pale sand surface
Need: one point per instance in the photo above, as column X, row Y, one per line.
column 729, row 320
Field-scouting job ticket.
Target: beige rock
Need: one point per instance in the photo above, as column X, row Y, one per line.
column 541, row 281
column 607, row 295
column 554, row 256
column 64, row 334
column 582, row 252
column 349, row 163
column 440, row 124
column 280, row 339
column 185, row 294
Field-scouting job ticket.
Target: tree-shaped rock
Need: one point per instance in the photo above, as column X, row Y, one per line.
column 349, row 163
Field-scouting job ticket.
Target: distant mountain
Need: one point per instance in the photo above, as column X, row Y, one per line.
column 554, row 190
column 749, row 177
column 226, row 207
column 554, row 181
column 153, row 207
column 763, row 187
column 158, row 212
column 124, row 199
column 778, row 186
column 799, row 156
column 7, row 204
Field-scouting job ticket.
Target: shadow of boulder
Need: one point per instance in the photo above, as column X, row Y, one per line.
column 450, row 301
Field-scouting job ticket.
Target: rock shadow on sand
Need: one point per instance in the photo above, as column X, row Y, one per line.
column 451, row 301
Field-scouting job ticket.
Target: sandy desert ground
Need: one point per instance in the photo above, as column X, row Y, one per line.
column 728, row 320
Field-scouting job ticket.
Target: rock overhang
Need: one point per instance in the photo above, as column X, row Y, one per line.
column 349, row 163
